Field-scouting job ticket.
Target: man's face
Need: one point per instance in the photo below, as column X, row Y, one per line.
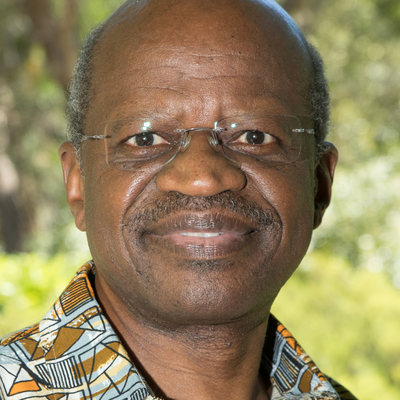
column 198, row 62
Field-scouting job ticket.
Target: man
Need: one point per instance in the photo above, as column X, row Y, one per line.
column 194, row 225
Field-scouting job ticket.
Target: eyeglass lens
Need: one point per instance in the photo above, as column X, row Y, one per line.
column 267, row 140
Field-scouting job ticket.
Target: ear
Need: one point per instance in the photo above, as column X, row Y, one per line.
column 324, row 173
column 74, row 184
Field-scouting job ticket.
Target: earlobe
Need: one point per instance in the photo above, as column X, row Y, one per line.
column 73, row 181
column 324, row 173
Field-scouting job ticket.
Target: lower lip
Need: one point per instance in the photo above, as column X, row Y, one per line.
column 200, row 247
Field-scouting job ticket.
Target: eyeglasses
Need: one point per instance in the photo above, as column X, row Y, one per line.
column 132, row 143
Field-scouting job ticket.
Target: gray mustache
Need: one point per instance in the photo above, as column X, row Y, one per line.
column 174, row 202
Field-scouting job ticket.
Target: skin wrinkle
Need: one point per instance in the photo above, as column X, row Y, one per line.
column 156, row 112
column 176, row 67
column 239, row 56
column 161, row 88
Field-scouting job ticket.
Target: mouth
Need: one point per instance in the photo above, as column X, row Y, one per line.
column 225, row 226
column 203, row 224
column 202, row 235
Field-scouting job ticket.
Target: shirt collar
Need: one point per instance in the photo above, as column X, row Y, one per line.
column 79, row 350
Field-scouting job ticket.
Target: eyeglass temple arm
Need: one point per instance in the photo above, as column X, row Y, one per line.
column 309, row 131
column 87, row 137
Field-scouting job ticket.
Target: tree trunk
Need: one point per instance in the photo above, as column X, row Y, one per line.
column 57, row 36
column 10, row 220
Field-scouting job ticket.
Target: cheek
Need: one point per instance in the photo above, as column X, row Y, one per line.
column 109, row 195
column 290, row 191
column 299, row 196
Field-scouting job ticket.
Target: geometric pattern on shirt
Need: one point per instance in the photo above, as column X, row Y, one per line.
column 293, row 373
column 74, row 354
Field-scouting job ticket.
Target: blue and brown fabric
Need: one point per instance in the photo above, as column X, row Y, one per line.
column 74, row 354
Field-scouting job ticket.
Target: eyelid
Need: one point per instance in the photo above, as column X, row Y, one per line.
column 130, row 140
column 242, row 133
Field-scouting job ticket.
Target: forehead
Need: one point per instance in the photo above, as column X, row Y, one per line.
column 212, row 57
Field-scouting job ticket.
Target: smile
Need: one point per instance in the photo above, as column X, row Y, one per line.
column 202, row 234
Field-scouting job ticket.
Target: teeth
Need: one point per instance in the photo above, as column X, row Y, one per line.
column 201, row 234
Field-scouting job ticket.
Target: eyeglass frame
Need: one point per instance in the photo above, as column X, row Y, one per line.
column 186, row 139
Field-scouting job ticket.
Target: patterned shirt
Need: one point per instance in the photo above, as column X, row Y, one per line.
column 73, row 353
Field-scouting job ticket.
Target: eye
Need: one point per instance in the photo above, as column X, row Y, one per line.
column 145, row 139
column 255, row 138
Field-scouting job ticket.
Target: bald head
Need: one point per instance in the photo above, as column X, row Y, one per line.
column 256, row 39
column 182, row 19
column 192, row 13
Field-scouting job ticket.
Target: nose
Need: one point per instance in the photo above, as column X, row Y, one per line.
column 200, row 171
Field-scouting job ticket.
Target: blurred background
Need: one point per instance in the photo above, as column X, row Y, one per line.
column 343, row 303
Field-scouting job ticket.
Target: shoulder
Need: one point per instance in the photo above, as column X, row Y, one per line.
column 341, row 390
column 18, row 351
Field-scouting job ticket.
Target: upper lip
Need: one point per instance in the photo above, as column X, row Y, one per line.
column 194, row 221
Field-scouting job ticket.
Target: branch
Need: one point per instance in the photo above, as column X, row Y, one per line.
column 56, row 36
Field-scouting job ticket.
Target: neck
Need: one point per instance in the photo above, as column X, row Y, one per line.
column 199, row 362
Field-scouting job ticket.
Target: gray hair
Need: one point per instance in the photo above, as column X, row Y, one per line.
column 80, row 94
column 319, row 100
column 80, row 89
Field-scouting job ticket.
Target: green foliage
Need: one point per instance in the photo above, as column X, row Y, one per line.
column 32, row 125
column 32, row 120
column 358, row 40
column 348, row 321
column 29, row 285
column 92, row 13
